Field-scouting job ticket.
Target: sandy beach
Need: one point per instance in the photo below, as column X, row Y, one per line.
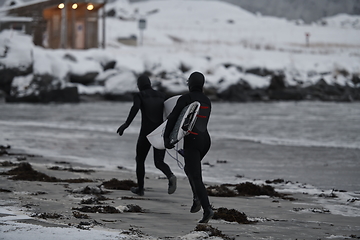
column 62, row 204
column 316, row 186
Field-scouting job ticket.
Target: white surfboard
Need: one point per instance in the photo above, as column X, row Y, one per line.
column 169, row 105
column 186, row 120
column 156, row 137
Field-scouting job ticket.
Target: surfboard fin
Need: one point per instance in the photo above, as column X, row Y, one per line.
column 181, row 152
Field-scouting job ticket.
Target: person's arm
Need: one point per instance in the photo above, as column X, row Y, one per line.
column 133, row 111
column 172, row 118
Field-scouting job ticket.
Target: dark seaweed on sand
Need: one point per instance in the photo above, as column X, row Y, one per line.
column 38, row 193
column 97, row 209
column 5, row 190
column 80, row 215
column 119, row 185
column 76, row 180
column 109, row 209
column 25, row 172
column 354, row 236
column 3, row 149
column 213, row 232
column 134, row 198
column 47, row 215
column 70, row 169
column 134, row 208
column 245, row 189
column 96, row 190
column 133, row 231
column 331, row 195
column 7, row 164
column 275, row 181
column 94, row 200
column 250, row 189
column 231, row 215
column 221, row 191
column 87, row 225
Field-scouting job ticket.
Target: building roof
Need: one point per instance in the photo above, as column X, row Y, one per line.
column 15, row 19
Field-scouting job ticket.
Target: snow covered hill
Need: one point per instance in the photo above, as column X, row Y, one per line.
column 306, row 10
column 229, row 45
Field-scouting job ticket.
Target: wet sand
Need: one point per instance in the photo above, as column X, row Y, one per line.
column 60, row 136
column 57, row 204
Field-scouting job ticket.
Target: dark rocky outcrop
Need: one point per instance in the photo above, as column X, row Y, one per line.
column 291, row 94
column 46, row 88
column 119, row 97
column 259, row 71
column 86, row 79
column 7, row 75
column 65, row 95
column 109, row 65
column 242, row 92
column 41, row 89
column 278, row 90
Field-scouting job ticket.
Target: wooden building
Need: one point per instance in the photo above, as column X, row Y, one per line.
column 64, row 23
column 22, row 24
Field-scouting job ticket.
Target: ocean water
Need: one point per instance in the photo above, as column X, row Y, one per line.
column 312, row 142
column 313, row 146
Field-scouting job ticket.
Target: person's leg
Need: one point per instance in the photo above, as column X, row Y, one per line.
column 193, row 171
column 196, row 206
column 142, row 149
column 190, row 181
column 159, row 156
column 195, row 148
column 200, row 189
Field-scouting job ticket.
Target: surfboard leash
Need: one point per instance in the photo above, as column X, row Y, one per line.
column 178, row 152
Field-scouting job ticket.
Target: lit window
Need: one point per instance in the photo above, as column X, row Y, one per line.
column 90, row 7
column 61, row 6
column 74, row 6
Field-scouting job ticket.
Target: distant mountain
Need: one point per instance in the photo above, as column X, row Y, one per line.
column 307, row 10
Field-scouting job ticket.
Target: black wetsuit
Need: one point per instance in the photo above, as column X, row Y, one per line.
column 196, row 144
column 151, row 104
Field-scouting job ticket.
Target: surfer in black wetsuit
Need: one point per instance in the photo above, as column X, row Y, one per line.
column 196, row 144
column 151, row 104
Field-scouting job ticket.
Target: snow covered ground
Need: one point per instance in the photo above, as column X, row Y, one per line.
column 219, row 39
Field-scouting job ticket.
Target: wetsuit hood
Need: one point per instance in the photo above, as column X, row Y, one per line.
column 143, row 82
column 196, row 82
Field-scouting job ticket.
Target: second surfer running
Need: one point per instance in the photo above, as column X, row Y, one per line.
column 196, row 144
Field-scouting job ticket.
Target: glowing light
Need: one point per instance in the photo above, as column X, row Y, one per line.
column 74, row 6
column 61, row 6
column 90, row 7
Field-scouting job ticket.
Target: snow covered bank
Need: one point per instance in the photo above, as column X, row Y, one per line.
column 245, row 57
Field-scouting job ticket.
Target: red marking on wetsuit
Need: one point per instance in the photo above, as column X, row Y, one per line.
column 192, row 132
column 204, row 107
column 200, row 116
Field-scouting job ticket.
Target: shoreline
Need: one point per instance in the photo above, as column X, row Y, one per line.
column 94, row 98
column 164, row 216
